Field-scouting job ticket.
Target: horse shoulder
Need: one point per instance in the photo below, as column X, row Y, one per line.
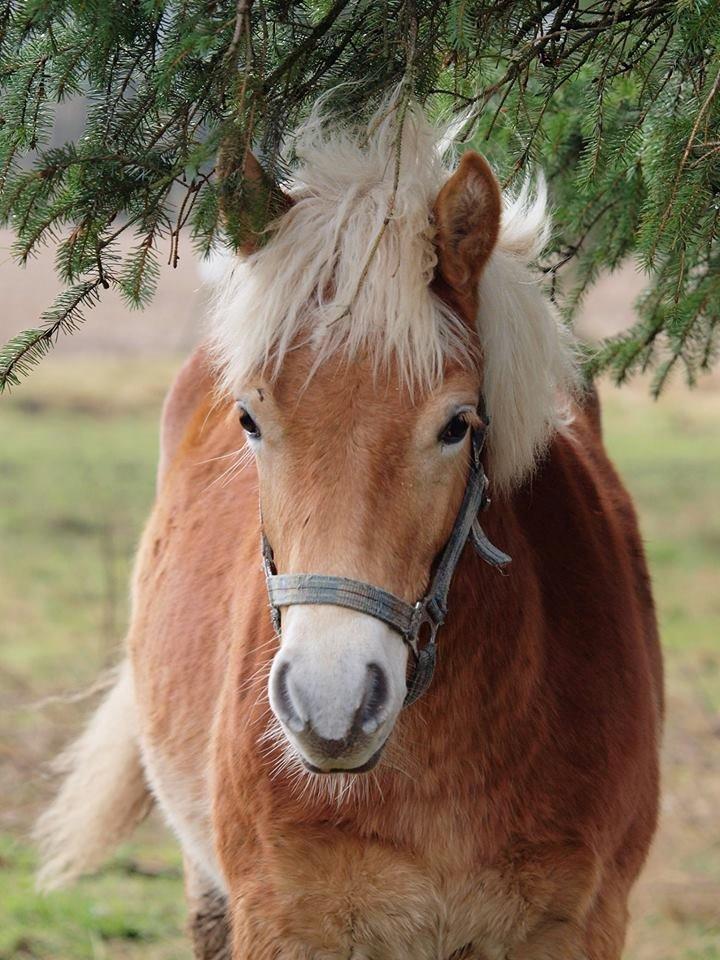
column 181, row 589
column 190, row 389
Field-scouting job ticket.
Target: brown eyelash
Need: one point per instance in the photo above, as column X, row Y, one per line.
column 471, row 417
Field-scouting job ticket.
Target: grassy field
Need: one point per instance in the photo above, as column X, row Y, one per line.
column 77, row 458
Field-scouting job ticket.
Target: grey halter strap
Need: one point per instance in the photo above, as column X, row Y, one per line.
column 286, row 589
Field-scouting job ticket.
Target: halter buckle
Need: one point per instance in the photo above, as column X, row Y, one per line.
column 427, row 611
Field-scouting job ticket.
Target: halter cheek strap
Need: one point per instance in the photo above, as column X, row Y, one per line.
column 286, row 589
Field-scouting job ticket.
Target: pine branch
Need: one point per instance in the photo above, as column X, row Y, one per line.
column 616, row 101
column 24, row 351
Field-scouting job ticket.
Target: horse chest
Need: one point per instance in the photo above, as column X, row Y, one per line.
column 339, row 898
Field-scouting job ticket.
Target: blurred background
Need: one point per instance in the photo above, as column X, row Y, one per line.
column 78, row 448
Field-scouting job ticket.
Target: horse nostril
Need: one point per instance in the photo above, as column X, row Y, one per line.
column 282, row 701
column 371, row 711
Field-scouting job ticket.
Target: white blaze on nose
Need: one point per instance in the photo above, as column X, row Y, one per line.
column 333, row 661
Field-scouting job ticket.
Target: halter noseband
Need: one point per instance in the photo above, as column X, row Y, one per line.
column 285, row 589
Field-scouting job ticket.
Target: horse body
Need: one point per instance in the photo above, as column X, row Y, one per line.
column 505, row 814
column 515, row 811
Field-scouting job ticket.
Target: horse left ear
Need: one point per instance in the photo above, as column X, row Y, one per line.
column 249, row 199
column 467, row 214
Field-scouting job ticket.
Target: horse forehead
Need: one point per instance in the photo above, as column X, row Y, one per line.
column 344, row 397
column 354, row 427
column 352, row 395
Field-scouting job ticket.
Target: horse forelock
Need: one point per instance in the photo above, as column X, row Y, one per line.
column 349, row 269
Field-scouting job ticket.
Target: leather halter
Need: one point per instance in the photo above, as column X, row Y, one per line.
column 285, row 589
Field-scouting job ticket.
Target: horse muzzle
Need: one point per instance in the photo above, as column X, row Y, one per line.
column 337, row 686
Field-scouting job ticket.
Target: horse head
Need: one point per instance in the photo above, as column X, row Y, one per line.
column 351, row 345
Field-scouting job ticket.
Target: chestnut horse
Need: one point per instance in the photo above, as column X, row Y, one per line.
column 503, row 815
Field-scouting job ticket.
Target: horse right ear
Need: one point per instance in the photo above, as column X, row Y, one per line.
column 249, row 199
column 467, row 214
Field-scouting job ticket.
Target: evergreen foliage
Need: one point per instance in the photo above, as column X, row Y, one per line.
column 617, row 101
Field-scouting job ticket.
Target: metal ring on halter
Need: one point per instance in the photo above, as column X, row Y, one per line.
column 286, row 589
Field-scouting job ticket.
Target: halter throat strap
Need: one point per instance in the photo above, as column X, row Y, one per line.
column 411, row 621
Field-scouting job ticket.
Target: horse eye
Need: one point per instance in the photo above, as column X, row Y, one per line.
column 455, row 430
column 249, row 425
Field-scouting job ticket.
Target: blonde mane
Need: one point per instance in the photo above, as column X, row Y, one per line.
column 349, row 267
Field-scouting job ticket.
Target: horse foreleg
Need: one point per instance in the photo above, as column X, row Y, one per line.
column 207, row 918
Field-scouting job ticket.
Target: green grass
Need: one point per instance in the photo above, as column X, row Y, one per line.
column 129, row 910
column 78, row 447
column 669, row 455
column 78, row 451
column 76, row 479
